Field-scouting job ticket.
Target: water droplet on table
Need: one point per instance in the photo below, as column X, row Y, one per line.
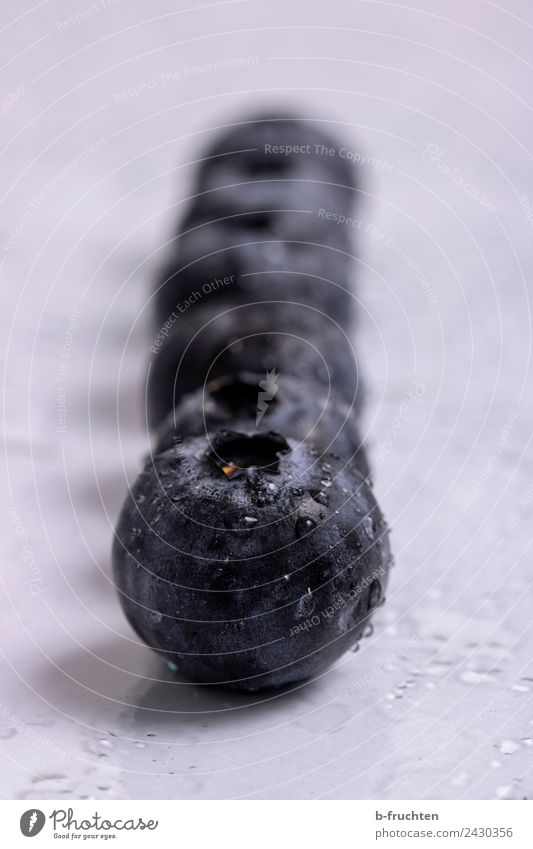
column 508, row 747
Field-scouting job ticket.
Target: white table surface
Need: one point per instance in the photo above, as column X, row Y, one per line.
column 438, row 701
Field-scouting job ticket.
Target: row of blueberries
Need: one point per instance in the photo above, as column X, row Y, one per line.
column 256, row 506
column 255, row 219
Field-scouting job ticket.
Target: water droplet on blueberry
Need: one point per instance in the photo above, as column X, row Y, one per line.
column 305, row 606
column 304, row 525
column 368, row 526
column 375, row 594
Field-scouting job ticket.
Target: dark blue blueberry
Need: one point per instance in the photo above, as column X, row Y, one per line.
column 242, row 588
column 292, row 406
column 288, row 209
column 208, row 343
column 251, row 551
column 231, row 264
column 259, row 146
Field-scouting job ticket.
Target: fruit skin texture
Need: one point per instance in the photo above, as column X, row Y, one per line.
column 252, row 553
column 231, row 263
column 243, row 146
column 282, row 205
column 296, row 408
column 294, row 339
column 243, row 603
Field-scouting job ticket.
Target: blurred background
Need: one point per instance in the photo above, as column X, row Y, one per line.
column 105, row 107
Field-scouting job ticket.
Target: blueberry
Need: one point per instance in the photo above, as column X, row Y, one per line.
column 293, row 340
column 251, row 551
column 245, row 577
column 230, row 263
column 291, row 207
column 259, row 146
column 231, row 174
column 293, row 406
